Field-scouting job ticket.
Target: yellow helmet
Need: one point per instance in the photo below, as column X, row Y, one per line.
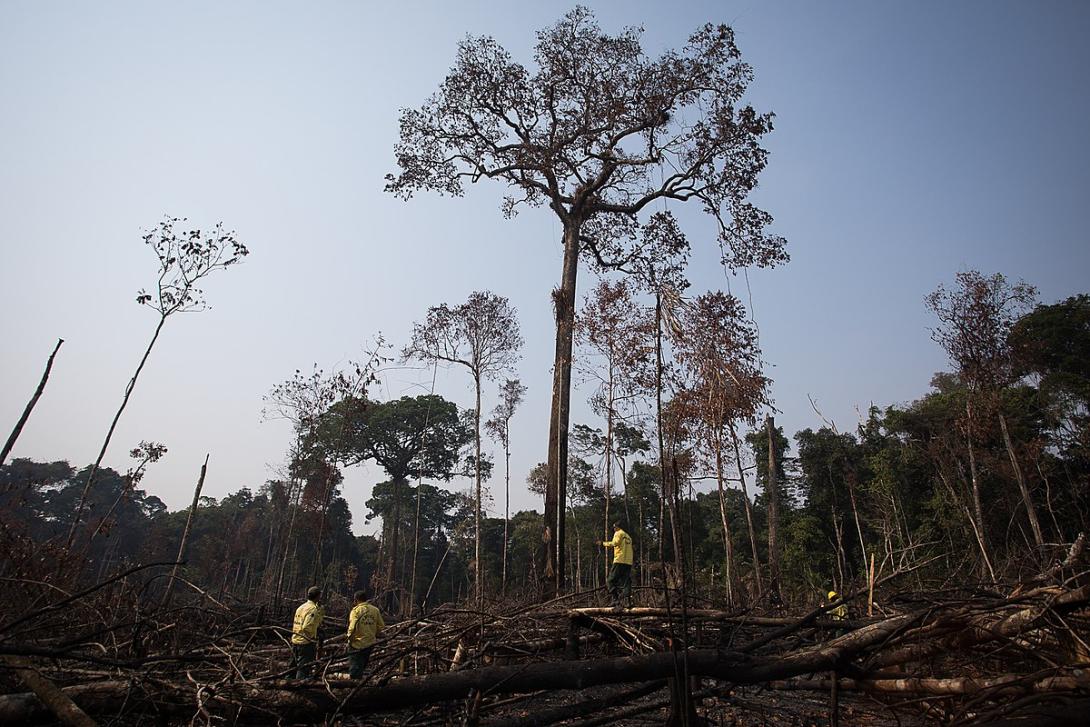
column 832, row 595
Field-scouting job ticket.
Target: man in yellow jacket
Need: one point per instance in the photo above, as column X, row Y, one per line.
column 620, row 575
column 304, row 634
column 364, row 624
column 841, row 611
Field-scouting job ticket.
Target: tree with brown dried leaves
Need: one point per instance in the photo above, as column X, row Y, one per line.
column 975, row 321
column 718, row 353
column 597, row 132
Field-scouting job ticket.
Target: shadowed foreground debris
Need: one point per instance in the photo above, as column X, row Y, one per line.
column 958, row 658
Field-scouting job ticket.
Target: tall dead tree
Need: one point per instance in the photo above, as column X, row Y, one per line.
column 597, row 132
column 481, row 334
column 186, row 257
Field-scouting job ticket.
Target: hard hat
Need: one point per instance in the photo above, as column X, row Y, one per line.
column 832, row 595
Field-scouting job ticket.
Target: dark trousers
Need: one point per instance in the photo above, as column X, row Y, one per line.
column 303, row 658
column 620, row 579
column 357, row 661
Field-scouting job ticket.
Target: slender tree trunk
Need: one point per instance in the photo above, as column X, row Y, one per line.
column 749, row 511
column 185, row 533
column 416, row 549
column 294, row 497
column 30, row 405
column 850, row 481
column 608, row 463
column 506, row 499
column 972, row 524
column 978, row 510
column 327, row 496
column 110, row 433
column 728, row 546
column 643, row 549
column 478, row 592
column 773, row 495
column 557, row 470
column 1031, row 510
column 658, row 427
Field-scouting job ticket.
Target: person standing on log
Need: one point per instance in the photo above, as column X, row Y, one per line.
column 620, row 575
column 364, row 624
column 305, row 640
column 841, row 611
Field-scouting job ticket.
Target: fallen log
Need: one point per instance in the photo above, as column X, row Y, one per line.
column 1008, row 685
column 46, row 692
column 582, row 708
column 707, row 614
column 970, row 629
column 306, row 701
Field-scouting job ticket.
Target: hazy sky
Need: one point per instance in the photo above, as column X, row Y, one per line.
column 912, row 140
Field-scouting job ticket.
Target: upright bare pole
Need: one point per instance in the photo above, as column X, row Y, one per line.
column 185, row 532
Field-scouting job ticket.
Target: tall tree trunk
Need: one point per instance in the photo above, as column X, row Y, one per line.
column 506, row 499
column 557, row 465
column 110, row 433
column 972, row 524
column 609, row 463
column 392, row 580
column 295, row 496
column 728, row 546
column 773, row 495
column 749, row 510
column 30, row 405
column 850, row 481
column 974, row 480
column 478, row 592
column 1031, row 510
column 185, row 532
column 327, row 496
column 658, row 427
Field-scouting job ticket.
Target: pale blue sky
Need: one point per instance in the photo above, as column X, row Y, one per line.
column 912, row 140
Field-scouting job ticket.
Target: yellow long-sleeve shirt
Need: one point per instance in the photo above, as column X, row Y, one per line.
column 308, row 617
column 364, row 623
column 622, row 547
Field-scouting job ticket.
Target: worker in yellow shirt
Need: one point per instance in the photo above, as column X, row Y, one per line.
column 364, row 624
column 304, row 634
column 620, row 575
column 841, row 611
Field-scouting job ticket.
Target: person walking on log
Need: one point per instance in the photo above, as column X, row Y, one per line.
column 620, row 575
column 305, row 640
column 364, row 624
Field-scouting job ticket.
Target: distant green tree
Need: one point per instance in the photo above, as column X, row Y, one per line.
column 410, row 438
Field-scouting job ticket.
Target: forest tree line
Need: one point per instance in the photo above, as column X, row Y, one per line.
column 976, row 481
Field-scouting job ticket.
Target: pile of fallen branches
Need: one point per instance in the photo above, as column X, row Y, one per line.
column 114, row 652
